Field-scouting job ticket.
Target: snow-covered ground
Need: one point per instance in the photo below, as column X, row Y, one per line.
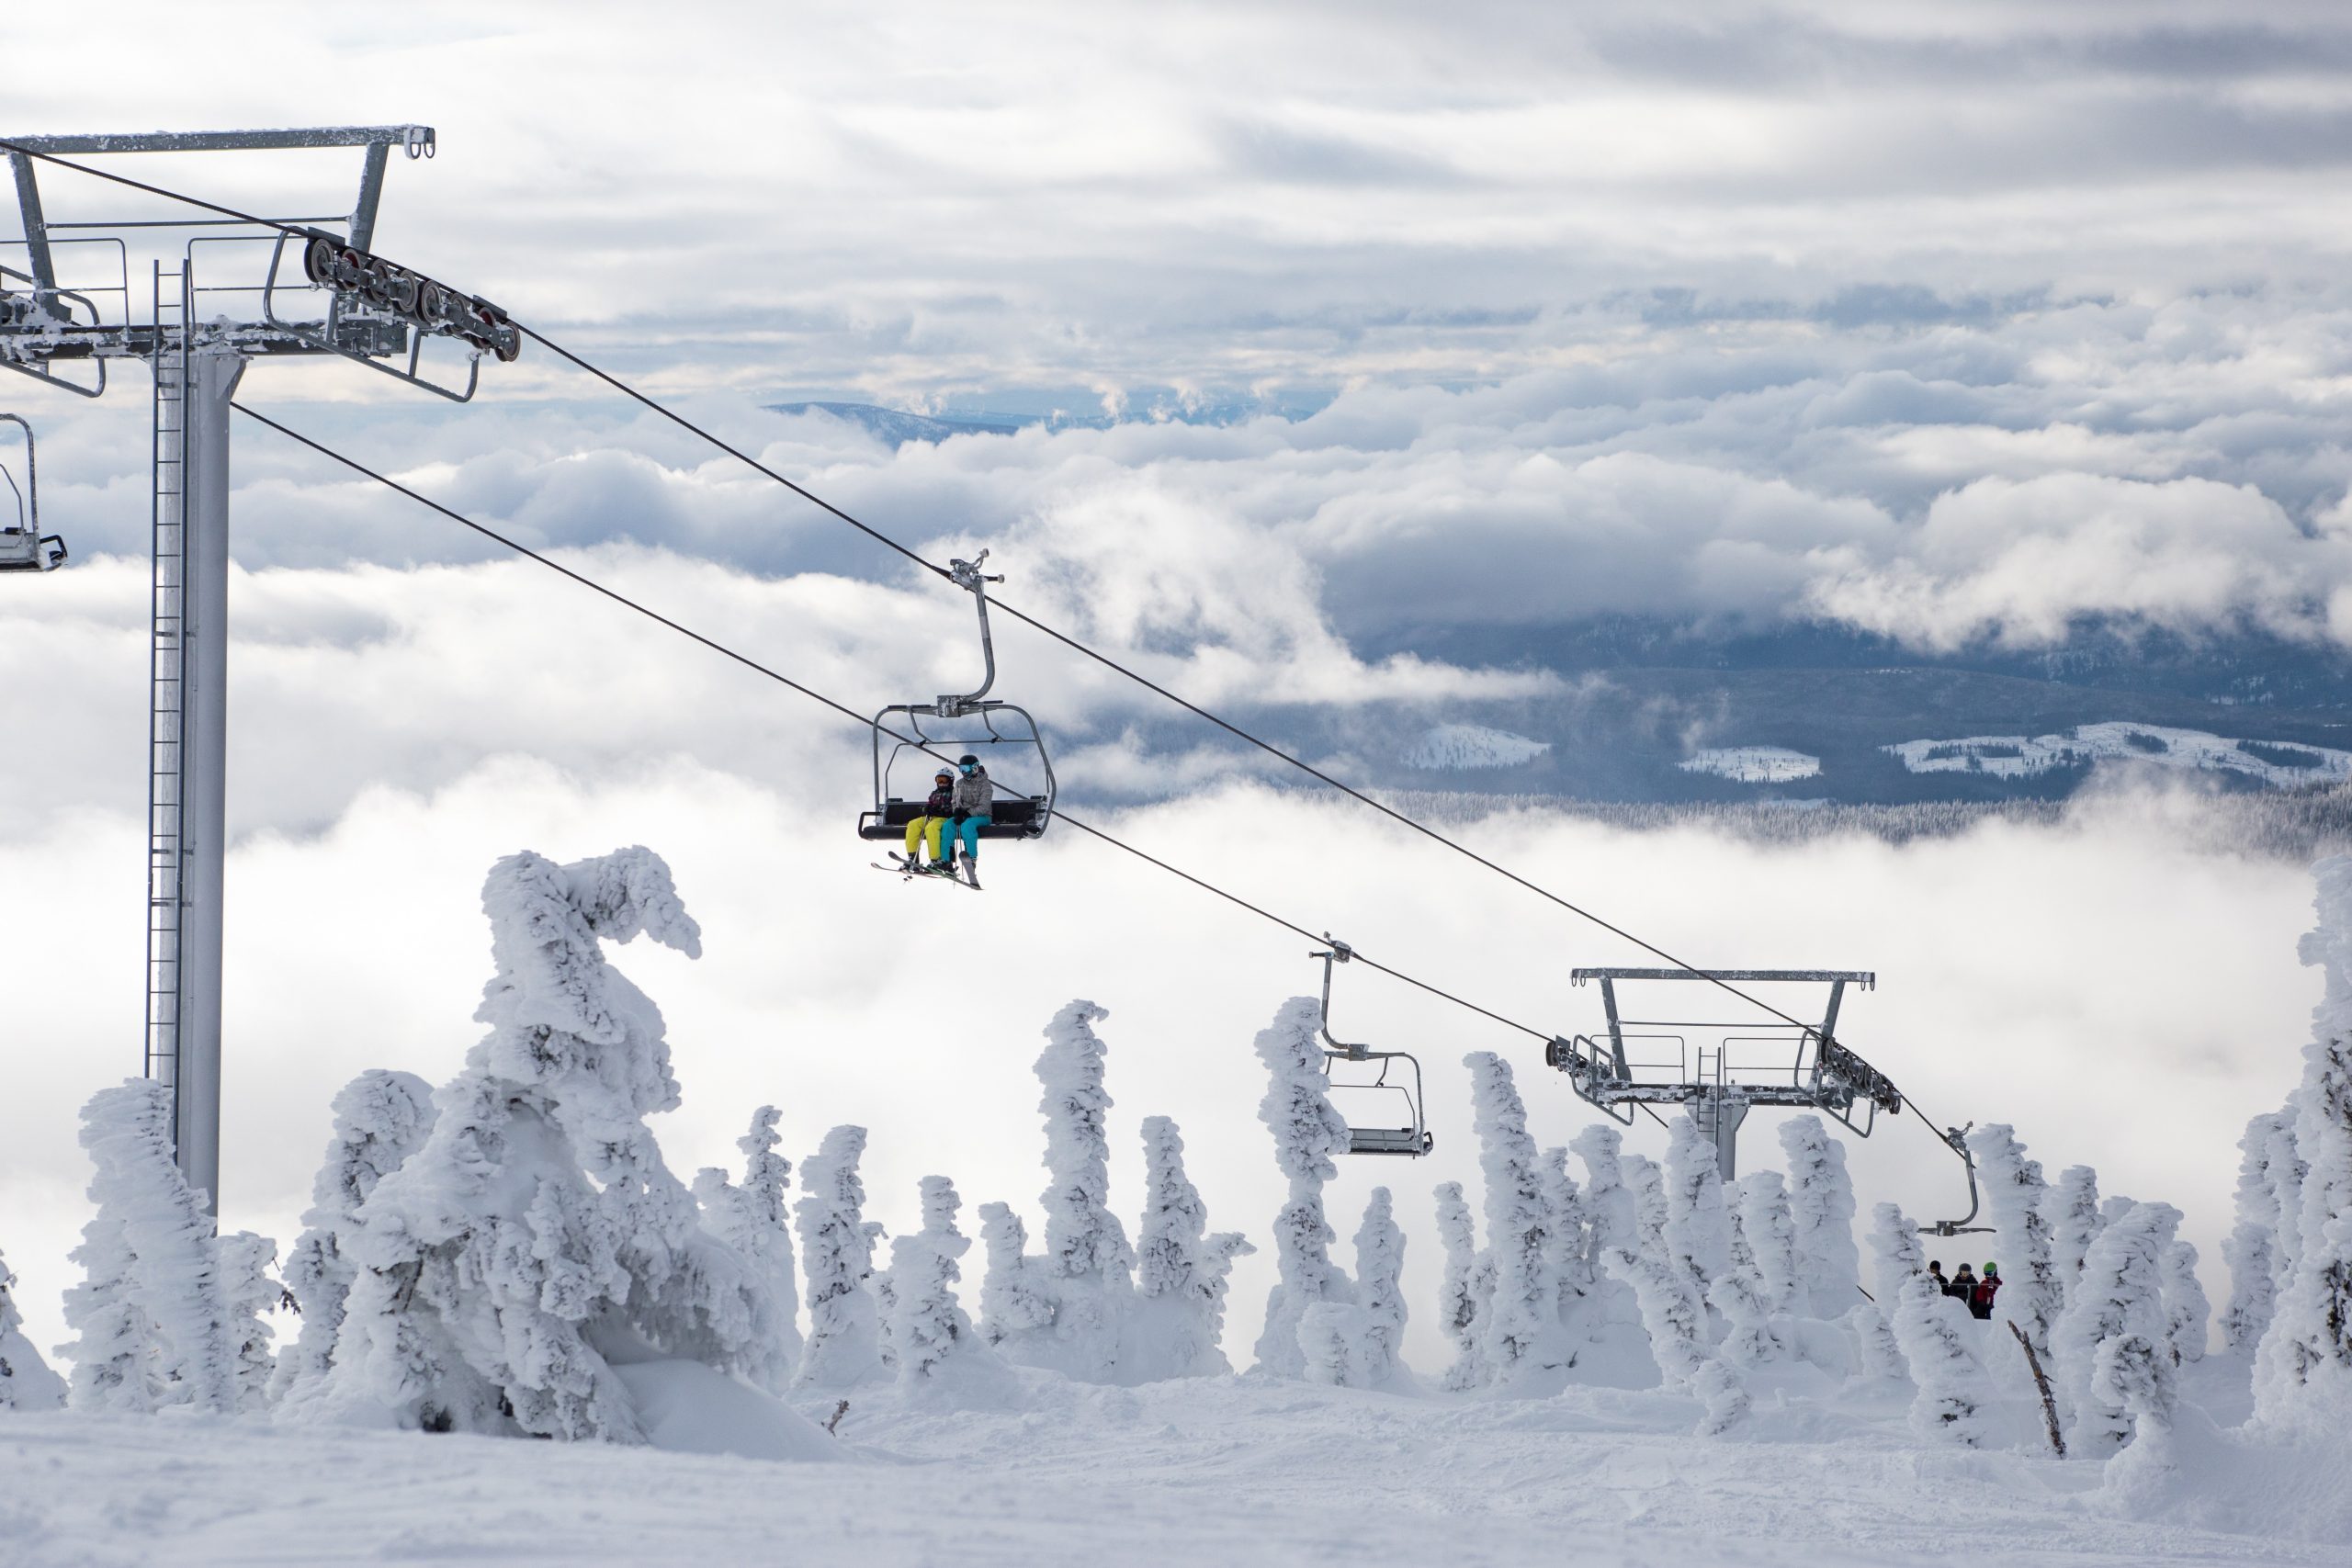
column 2022, row 756
column 1460, row 747
column 1225, row 1470
column 1753, row 765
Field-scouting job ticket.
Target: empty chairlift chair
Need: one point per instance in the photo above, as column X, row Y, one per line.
column 23, row 547
column 1001, row 734
column 1383, row 1113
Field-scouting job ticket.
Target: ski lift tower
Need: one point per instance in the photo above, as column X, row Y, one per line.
column 66, row 314
column 1731, row 1065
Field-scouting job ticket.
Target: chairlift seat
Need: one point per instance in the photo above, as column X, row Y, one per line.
column 1389, row 1141
column 1011, row 816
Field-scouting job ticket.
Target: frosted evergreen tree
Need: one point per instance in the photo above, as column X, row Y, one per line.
column 1380, row 1290
column 2303, row 1369
column 2251, row 1249
column 2187, row 1312
column 1678, row 1331
column 1177, row 1316
column 1895, row 1253
column 1568, row 1247
column 886, row 1296
column 1698, row 1225
column 2135, row 1375
column 1821, row 1204
column 939, row 1353
column 151, row 1316
column 845, row 1343
column 1525, row 1303
column 754, row 1220
column 1087, row 1259
column 537, row 1226
column 1648, row 1184
column 1306, row 1133
column 1332, row 1345
column 379, row 1119
column 2072, row 1211
column 1932, row 1329
column 1771, row 1232
column 2120, row 1296
column 1458, row 1238
column 253, row 1294
column 2288, row 1170
column 1014, row 1297
column 1213, row 1281
column 1607, row 1202
column 2031, row 1293
column 2114, row 1209
column 26, row 1382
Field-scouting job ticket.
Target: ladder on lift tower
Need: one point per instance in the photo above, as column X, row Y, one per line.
column 167, row 661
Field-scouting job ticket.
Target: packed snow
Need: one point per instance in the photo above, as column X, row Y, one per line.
column 1752, row 765
column 1460, row 748
column 1650, row 1364
column 2194, row 751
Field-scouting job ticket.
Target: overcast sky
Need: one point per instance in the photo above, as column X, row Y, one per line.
column 1952, row 322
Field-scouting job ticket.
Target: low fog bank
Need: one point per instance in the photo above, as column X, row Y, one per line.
column 2125, row 997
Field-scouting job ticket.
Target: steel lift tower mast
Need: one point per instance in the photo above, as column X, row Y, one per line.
column 197, row 340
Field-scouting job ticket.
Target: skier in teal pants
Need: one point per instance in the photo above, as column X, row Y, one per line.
column 974, row 797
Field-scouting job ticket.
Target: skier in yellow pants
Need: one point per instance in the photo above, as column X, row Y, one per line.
column 937, row 807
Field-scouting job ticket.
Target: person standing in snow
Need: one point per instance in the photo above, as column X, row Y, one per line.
column 973, row 800
column 1962, row 1288
column 1979, row 1300
column 1935, row 1277
column 936, row 809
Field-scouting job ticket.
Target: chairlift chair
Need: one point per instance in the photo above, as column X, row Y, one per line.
column 1412, row 1137
column 909, row 736
column 23, row 547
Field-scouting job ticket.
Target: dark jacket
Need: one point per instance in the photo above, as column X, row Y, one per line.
column 939, row 801
column 1963, row 1286
column 974, row 794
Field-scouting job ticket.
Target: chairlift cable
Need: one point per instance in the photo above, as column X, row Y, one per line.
column 684, row 423
column 814, row 696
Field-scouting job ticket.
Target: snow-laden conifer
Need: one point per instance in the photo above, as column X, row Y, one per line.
column 1698, row 1224
column 1648, row 1184
column 754, row 1219
column 1568, row 1233
column 251, row 1293
column 379, row 1119
column 2031, row 1294
column 939, row 1354
column 1678, row 1331
column 537, row 1219
column 1307, row 1132
column 1457, row 1237
column 1933, row 1330
column 1770, row 1231
column 1087, row 1259
column 1178, row 1315
column 1380, row 1290
column 1525, row 1306
column 1607, row 1202
column 2187, row 1312
column 1821, row 1204
column 2120, row 1296
column 2071, row 1209
column 2251, row 1249
column 1013, row 1297
column 2287, row 1169
column 151, row 1316
column 2303, row 1369
column 1895, row 1254
column 1213, row 1281
column 26, row 1380
column 845, row 1343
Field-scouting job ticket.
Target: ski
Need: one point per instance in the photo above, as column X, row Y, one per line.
column 902, row 870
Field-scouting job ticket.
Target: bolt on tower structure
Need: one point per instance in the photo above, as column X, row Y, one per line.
column 66, row 315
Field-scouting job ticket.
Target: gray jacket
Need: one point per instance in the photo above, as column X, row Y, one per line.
column 974, row 794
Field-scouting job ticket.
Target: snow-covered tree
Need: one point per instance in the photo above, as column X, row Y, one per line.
column 1821, row 1204
column 152, row 1319
column 2251, row 1249
column 2303, row 1370
column 2120, row 1296
column 1770, row 1231
column 1306, row 1133
column 1380, row 1291
column 1014, row 1297
column 537, row 1226
column 939, row 1353
column 1177, row 1316
column 1607, row 1202
column 1214, row 1278
column 2031, row 1293
column 1457, row 1236
column 886, row 1296
column 2288, row 1170
column 845, row 1343
column 2187, row 1312
column 2071, row 1209
column 1698, row 1225
column 253, row 1294
column 26, row 1382
column 1933, row 1331
column 1895, row 1254
column 1678, row 1331
column 1086, row 1257
column 1648, row 1184
column 754, row 1220
column 1525, row 1304
column 379, row 1119
column 1333, row 1344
